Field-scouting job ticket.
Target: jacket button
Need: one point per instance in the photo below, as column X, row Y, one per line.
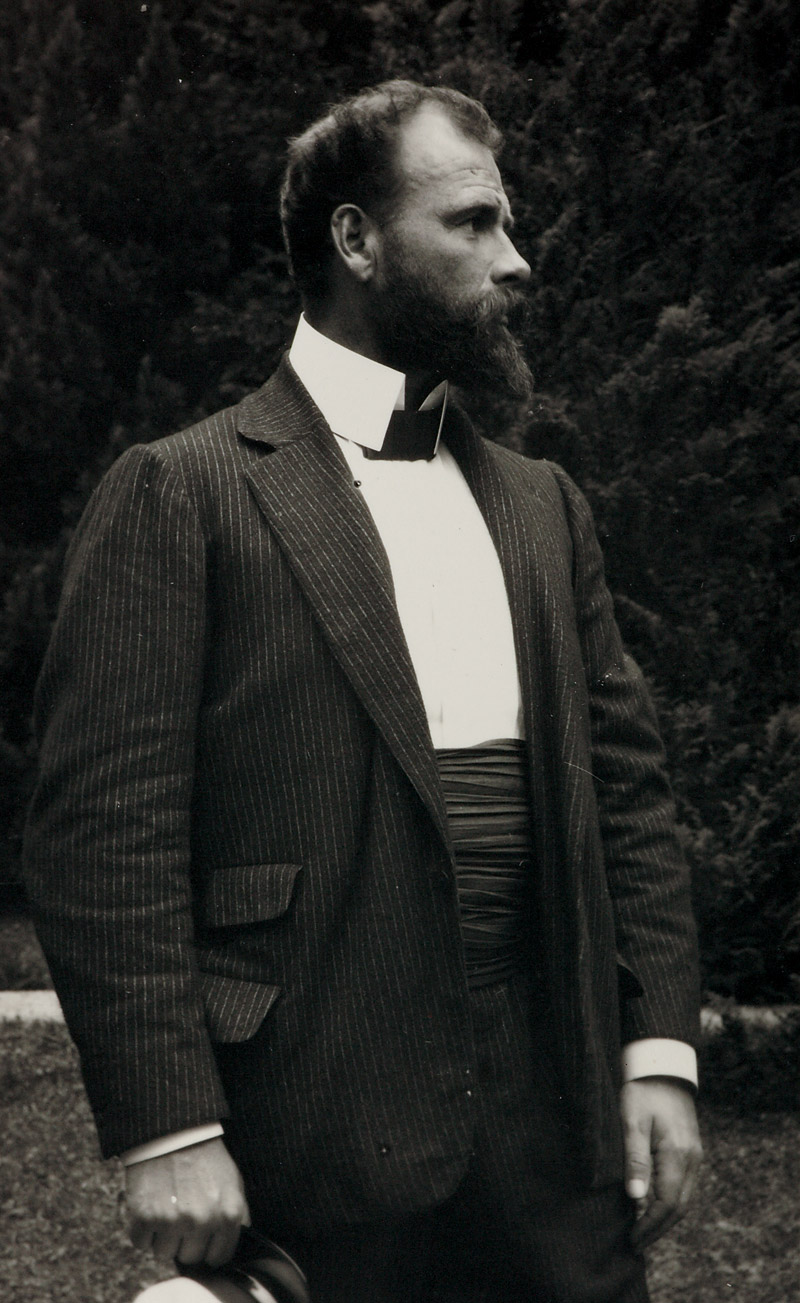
column 386, row 1149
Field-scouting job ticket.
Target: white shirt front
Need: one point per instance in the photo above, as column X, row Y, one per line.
column 448, row 584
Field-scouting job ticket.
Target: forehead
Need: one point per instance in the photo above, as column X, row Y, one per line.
column 437, row 162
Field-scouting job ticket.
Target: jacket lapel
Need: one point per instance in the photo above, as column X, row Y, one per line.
column 304, row 488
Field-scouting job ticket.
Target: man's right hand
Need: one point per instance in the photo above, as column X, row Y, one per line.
column 188, row 1204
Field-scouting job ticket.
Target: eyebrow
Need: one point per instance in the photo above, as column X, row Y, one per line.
column 482, row 208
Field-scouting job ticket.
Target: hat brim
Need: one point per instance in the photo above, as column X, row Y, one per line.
column 260, row 1270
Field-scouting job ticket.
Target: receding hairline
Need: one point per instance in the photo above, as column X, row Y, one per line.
column 417, row 169
column 464, row 112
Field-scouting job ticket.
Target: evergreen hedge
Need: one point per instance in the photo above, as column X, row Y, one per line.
column 652, row 157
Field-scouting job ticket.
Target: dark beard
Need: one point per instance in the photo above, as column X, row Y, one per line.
column 475, row 346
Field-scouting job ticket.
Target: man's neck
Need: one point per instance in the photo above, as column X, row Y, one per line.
column 355, row 335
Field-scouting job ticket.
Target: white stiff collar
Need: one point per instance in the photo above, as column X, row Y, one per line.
column 355, row 395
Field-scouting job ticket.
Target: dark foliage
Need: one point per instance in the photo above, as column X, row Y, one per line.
column 652, row 155
column 752, row 1069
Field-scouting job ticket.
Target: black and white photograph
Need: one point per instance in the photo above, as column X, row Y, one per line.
column 400, row 651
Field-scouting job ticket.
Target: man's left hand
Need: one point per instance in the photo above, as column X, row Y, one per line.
column 662, row 1153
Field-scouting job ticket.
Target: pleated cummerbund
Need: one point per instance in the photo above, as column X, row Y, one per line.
column 488, row 809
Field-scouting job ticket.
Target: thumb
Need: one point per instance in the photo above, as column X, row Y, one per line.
column 638, row 1165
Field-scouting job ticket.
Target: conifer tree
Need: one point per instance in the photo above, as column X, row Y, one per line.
column 651, row 159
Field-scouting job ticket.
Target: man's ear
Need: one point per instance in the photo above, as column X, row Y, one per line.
column 354, row 239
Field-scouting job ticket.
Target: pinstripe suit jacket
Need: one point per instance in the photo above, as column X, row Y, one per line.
column 238, row 852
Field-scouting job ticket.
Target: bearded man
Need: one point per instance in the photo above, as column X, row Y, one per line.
column 352, row 854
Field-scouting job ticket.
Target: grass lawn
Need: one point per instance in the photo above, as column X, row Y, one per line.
column 63, row 1237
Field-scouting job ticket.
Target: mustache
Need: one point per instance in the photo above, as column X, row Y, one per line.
column 505, row 306
column 502, row 313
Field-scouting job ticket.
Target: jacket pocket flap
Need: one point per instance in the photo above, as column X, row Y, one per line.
column 629, row 984
column 247, row 893
column 235, row 1009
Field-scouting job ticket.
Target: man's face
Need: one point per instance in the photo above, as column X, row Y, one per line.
column 448, row 274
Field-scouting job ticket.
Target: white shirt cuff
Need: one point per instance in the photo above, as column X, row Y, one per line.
column 176, row 1140
column 659, row 1057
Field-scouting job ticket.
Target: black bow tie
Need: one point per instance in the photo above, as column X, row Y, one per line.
column 410, row 436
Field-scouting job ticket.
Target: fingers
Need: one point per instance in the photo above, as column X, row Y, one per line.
column 653, row 1223
column 192, row 1246
column 221, row 1246
column 188, row 1238
column 188, row 1205
column 674, row 1180
column 185, row 1239
column 638, row 1165
column 662, row 1154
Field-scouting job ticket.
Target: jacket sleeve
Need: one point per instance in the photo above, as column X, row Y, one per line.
column 107, row 848
column 645, row 868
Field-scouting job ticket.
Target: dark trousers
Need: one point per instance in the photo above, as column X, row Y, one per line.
column 520, row 1228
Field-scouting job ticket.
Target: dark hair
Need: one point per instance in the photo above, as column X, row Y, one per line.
column 348, row 156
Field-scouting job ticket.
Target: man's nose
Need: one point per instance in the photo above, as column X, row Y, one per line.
column 510, row 268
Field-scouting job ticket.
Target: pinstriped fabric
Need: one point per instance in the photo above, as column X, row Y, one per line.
column 234, row 1009
column 246, row 892
column 519, row 1227
column 111, row 820
column 612, row 880
column 240, row 815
